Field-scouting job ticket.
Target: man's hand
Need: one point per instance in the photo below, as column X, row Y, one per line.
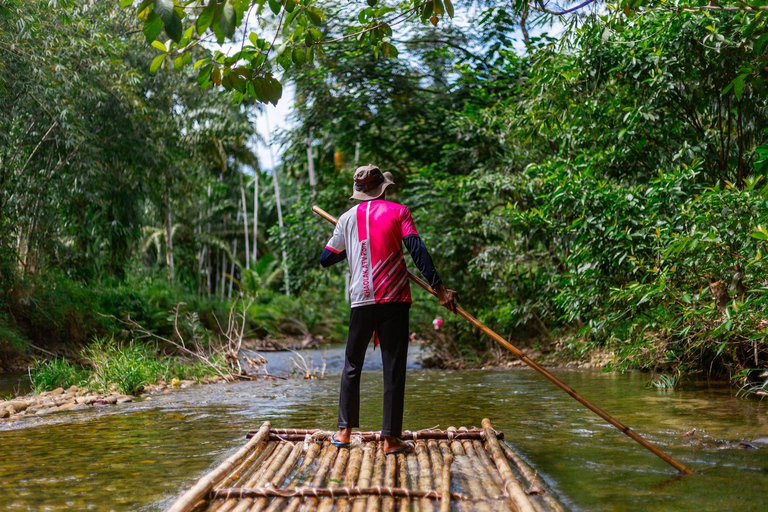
column 447, row 297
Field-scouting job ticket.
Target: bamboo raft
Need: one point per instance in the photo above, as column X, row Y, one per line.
column 300, row 470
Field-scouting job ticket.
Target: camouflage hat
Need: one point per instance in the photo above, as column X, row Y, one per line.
column 370, row 183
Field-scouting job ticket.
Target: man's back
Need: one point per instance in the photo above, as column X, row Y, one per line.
column 372, row 234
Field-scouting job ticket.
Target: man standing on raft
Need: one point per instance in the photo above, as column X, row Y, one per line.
column 371, row 236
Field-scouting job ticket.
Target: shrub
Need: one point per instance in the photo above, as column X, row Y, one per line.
column 56, row 373
column 126, row 367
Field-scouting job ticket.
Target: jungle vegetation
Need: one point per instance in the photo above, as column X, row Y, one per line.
column 589, row 176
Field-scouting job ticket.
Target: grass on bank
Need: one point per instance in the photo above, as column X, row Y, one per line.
column 126, row 368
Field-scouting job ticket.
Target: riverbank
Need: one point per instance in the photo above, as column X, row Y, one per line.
column 77, row 398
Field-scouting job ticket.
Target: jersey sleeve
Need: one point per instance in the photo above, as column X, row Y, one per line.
column 407, row 226
column 337, row 244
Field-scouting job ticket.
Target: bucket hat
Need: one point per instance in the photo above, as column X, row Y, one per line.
column 370, row 183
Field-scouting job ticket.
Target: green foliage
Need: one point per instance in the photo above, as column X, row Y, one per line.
column 48, row 374
column 302, row 27
column 126, row 367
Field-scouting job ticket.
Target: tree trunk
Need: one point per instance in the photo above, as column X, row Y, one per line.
column 168, row 237
column 255, row 215
column 282, row 230
column 245, row 223
column 234, row 257
column 311, row 164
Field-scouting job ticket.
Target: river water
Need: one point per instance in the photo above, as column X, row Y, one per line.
column 140, row 456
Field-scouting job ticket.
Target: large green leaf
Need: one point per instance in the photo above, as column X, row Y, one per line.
column 152, row 27
column 227, row 20
column 164, row 9
column 206, row 18
column 174, row 28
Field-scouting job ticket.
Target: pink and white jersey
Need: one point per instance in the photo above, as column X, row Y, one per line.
column 372, row 234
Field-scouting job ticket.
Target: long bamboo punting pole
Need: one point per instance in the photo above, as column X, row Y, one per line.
column 533, row 364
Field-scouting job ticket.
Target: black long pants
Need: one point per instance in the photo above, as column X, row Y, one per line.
column 390, row 320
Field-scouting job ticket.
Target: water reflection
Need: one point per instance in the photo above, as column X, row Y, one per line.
column 138, row 457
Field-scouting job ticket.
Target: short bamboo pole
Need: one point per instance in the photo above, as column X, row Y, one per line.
column 476, row 489
column 280, row 476
column 351, row 476
column 365, row 437
column 200, row 490
column 425, row 474
column 514, row 491
column 533, row 364
column 366, row 473
column 278, row 504
column 403, row 504
column 259, row 463
column 294, row 504
column 325, row 466
column 445, row 477
column 436, row 460
column 258, row 480
column 390, row 480
column 487, row 476
column 374, row 502
column 532, row 479
column 335, row 477
column 238, row 477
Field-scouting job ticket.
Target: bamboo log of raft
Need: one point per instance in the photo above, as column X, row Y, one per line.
column 350, row 476
column 445, row 489
column 533, row 364
column 366, row 473
column 309, row 458
column 198, row 492
column 403, row 504
column 514, row 491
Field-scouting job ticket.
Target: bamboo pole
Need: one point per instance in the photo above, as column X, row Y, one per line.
column 335, row 477
column 390, row 480
column 436, row 460
column 245, row 476
column 281, row 454
column 514, row 491
column 294, row 504
column 325, row 465
column 532, row 478
column 406, row 434
column 374, row 502
column 366, row 471
column 200, row 490
column 309, row 458
column 487, row 462
column 445, row 489
column 533, row 364
column 365, row 437
column 403, row 504
column 461, row 459
column 280, row 477
column 424, row 481
column 351, row 476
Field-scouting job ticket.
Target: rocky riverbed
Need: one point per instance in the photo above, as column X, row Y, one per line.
column 77, row 399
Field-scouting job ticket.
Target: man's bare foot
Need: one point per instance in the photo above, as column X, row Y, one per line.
column 343, row 435
column 392, row 444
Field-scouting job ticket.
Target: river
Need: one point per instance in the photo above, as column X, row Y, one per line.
column 140, row 456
